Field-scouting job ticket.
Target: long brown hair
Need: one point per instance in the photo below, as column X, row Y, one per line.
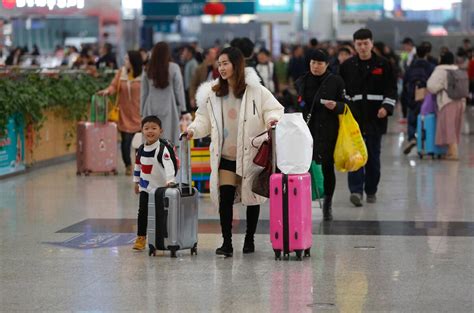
column 158, row 66
column 238, row 62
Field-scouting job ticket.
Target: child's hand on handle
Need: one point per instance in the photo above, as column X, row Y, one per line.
column 188, row 134
column 137, row 189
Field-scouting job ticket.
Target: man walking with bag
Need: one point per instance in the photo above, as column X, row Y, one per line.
column 372, row 94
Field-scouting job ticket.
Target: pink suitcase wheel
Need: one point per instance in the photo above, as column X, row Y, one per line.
column 307, row 253
column 277, row 254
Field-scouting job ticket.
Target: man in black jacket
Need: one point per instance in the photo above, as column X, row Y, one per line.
column 372, row 94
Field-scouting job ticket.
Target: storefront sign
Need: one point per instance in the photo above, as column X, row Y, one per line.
column 12, row 147
column 50, row 4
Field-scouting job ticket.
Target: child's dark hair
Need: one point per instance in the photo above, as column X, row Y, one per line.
column 151, row 119
column 363, row 34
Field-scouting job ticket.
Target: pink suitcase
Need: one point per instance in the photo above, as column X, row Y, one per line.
column 96, row 148
column 290, row 214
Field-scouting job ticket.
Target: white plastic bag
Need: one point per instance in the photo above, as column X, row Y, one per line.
column 294, row 144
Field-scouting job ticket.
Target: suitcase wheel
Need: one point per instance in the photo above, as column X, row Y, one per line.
column 78, row 173
column 277, row 254
column 299, row 255
column 307, row 253
column 87, row 173
column 194, row 249
column 115, row 172
column 106, row 173
column 152, row 250
column 286, row 256
column 173, row 254
column 420, row 155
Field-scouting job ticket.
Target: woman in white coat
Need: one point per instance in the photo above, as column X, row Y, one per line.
column 450, row 114
column 234, row 109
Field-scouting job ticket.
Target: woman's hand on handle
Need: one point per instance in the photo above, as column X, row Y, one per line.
column 272, row 123
column 104, row 92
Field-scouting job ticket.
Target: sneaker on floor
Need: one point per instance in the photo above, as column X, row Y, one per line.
column 128, row 170
column 371, row 198
column 356, row 199
column 140, row 243
column 410, row 145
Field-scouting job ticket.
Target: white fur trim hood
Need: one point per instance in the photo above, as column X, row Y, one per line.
column 205, row 89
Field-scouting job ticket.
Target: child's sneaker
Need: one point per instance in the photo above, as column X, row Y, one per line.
column 140, row 243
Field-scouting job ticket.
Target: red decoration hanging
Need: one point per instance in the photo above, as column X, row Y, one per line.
column 214, row 8
column 9, row 4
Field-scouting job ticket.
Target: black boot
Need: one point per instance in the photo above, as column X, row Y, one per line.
column 227, row 194
column 252, row 220
column 327, row 209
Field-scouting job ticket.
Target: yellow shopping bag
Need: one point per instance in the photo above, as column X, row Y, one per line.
column 350, row 153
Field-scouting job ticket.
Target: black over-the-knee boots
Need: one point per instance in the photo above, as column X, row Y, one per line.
column 226, row 203
column 252, row 220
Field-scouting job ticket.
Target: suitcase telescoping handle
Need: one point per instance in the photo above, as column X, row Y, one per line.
column 184, row 144
column 273, row 141
column 96, row 108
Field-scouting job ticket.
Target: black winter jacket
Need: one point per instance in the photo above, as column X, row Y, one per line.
column 368, row 90
column 324, row 123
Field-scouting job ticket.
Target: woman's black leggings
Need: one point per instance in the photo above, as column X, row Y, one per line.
column 329, row 178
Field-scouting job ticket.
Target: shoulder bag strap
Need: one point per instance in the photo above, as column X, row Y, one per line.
column 308, row 118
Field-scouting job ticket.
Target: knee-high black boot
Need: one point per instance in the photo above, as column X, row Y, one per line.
column 227, row 195
column 252, row 220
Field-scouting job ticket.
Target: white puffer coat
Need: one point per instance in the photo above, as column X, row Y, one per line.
column 258, row 109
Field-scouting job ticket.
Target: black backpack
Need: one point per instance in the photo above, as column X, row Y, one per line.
column 418, row 78
column 172, row 150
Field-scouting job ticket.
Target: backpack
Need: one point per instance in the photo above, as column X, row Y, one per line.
column 172, row 150
column 458, row 84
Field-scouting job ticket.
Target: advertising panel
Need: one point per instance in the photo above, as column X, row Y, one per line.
column 12, row 147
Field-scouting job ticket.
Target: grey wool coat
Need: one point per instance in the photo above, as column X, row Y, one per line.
column 167, row 103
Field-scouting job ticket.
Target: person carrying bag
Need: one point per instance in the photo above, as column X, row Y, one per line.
column 321, row 95
column 126, row 86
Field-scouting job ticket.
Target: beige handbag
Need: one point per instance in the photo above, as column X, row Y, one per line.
column 420, row 93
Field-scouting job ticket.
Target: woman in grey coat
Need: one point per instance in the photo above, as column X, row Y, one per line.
column 162, row 91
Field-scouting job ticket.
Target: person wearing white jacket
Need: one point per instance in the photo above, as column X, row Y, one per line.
column 450, row 114
column 234, row 109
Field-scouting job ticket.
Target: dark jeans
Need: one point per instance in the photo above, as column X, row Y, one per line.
column 412, row 121
column 142, row 221
column 329, row 178
column 367, row 178
column 126, row 147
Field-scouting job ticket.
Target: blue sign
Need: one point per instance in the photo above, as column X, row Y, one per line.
column 192, row 8
column 275, row 6
column 12, row 146
column 96, row 240
column 361, row 5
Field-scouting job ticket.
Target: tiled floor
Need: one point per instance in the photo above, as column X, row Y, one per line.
column 65, row 246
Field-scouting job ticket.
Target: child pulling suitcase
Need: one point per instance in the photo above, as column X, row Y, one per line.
column 167, row 214
column 173, row 212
